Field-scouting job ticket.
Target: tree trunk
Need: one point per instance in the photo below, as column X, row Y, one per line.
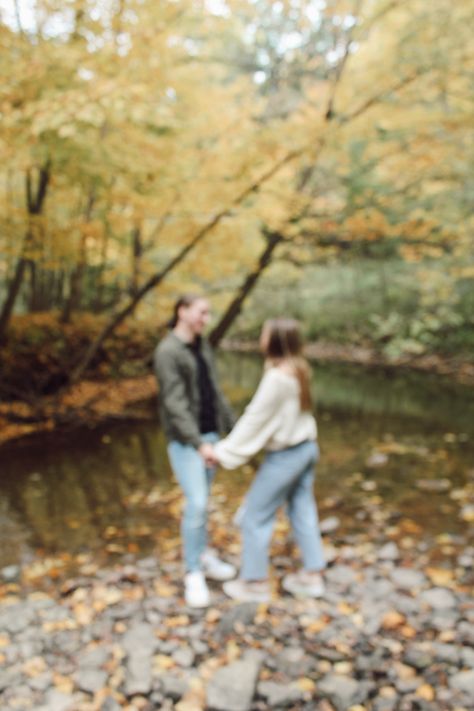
column 74, row 299
column 137, row 251
column 235, row 307
column 34, row 204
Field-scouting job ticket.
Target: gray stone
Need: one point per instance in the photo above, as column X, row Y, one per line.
column 184, row 656
column 341, row 690
column 243, row 613
column 448, row 653
column 330, row 524
column 278, row 695
column 444, row 620
column 42, row 682
column 94, row 658
column 382, row 704
column 232, row 687
column 439, row 598
column 467, row 657
column 139, row 643
column 174, row 686
column 110, row 704
column 16, row 618
column 463, row 681
column 418, row 658
column 10, row 573
column 341, row 575
column 57, row 701
column 90, row 680
column 293, row 661
column 389, row 552
column 407, row 578
column 465, row 632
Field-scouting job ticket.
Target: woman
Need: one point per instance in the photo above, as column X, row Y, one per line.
column 278, row 419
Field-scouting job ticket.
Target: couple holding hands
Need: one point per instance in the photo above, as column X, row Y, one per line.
column 278, row 420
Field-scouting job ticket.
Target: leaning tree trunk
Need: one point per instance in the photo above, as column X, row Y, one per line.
column 121, row 314
column 273, row 239
column 77, row 276
column 34, row 204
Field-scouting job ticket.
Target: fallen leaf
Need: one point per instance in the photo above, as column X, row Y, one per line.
column 425, row 691
column 392, row 620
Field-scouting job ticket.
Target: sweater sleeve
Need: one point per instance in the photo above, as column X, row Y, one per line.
column 255, row 427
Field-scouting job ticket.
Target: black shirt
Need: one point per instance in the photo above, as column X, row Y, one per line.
column 207, row 410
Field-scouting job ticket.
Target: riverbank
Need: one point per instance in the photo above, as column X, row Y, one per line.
column 94, row 402
column 394, row 631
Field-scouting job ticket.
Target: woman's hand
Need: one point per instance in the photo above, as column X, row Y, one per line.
column 206, row 451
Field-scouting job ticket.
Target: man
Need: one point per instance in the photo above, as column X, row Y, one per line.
column 193, row 412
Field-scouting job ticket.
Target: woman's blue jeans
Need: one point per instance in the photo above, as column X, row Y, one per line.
column 195, row 480
column 285, row 476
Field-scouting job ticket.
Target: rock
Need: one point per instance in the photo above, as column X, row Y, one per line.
column 418, row 658
column 91, row 680
column 292, row 661
column 184, row 656
column 174, row 686
column 467, row 657
column 389, row 552
column 465, row 632
column 407, row 578
column 329, row 525
column 439, row 598
column 110, row 704
column 448, row 653
column 10, row 573
column 42, row 682
column 341, row 575
column 232, row 687
column 377, row 459
column 94, row 658
column 58, row 701
column 463, row 681
column 279, row 694
column 342, row 691
column 243, row 613
column 435, row 485
column 139, row 643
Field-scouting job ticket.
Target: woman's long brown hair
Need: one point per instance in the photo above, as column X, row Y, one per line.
column 284, row 342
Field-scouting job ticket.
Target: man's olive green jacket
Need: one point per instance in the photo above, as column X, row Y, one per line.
column 179, row 399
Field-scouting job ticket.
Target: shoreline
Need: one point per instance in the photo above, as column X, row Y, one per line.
column 92, row 403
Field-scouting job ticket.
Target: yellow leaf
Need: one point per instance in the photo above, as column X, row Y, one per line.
column 440, row 576
column 306, row 684
column 392, row 620
column 165, row 590
column 425, row 691
column 162, row 661
column 177, row 621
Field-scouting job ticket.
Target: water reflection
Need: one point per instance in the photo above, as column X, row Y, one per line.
column 106, row 489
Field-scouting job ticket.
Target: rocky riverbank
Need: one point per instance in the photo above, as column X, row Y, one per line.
column 393, row 633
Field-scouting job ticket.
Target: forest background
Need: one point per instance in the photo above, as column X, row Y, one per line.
column 314, row 158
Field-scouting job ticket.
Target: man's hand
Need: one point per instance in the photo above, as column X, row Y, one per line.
column 206, row 451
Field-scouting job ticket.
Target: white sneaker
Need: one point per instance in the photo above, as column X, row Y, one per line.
column 245, row 591
column 215, row 568
column 304, row 584
column 196, row 592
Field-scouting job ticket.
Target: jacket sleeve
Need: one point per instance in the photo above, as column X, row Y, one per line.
column 173, row 397
column 255, row 427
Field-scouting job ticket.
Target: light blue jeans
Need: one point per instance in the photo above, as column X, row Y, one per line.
column 195, row 480
column 286, row 476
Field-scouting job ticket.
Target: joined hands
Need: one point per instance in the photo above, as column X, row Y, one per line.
column 206, row 451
